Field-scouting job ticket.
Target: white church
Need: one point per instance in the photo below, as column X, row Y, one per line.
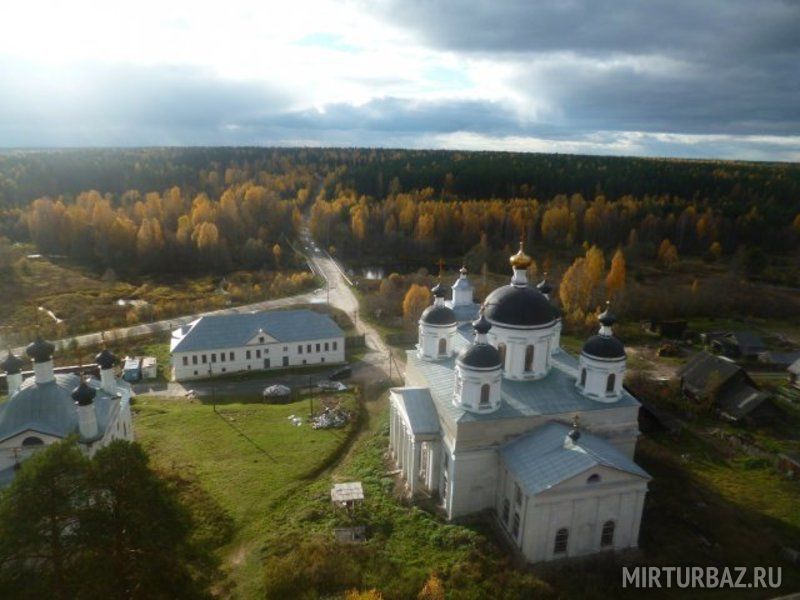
column 496, row 416
column 49, row 406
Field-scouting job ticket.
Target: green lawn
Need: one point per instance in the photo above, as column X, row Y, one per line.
column 707, row 505
column 245, row 457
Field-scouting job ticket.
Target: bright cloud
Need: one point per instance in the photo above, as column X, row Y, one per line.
column 665, row 77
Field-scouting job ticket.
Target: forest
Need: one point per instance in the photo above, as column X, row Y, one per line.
column 210, row 210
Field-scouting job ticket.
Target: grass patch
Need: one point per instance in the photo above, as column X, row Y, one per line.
column 246, row 456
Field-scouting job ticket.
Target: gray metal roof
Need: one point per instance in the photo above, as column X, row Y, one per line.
column 418, row 406
column 49, row 408
column 540, row 459
column 553, row 394
column 696, row 373
column 233, row 331
column 466, row 312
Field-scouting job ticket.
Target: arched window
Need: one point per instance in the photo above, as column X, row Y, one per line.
column 607, row 536
column 583, row 377
column 442, row 346
column 562, row 537
column 529, row 359
column 610, row 382
column 506, row 510
column 485, row 389
column 501, row 348
column 32, row 441
column 594, row 478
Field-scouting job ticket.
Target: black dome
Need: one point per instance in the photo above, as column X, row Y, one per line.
column 607, row 318
column 12, row 364
column 40, row 350
column 83, row 394
column 520, row 306
column 438, row 291
column 604, row 346
column 480, row 356
column 481, row 325
column 439, row 315
column 105, row 360
column 544, row 286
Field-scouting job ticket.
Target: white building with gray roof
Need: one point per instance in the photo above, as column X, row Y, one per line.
column 221, row 344
column 50, row 407
column 503, row 419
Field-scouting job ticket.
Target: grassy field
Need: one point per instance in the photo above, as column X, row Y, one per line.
column 86, row 301
column 246, row 457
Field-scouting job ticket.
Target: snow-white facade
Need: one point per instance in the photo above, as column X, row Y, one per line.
column 48, row 407
column 510, row 424
column 224, row 344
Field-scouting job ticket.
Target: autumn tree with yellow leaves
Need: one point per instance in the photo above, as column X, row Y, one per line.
column 417, row 298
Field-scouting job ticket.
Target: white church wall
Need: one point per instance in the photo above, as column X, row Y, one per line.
column 583, row 508
column 474, row 482
column 12, row 451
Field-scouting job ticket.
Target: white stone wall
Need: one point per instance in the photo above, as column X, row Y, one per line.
column 580, row 507
column 597, row 372
column 544, row 341
column 429, row 336
column 473, row 482
column 467, row 395
column 303, row 353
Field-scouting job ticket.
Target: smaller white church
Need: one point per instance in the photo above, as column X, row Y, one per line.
column 496, row 416
column 48, row 407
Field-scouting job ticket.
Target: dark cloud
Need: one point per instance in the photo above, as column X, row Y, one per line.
column 687, row 66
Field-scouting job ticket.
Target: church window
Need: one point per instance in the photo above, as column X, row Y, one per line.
column 562, row 537
column 261, row 339
column 515, row 526
column 612, row 379
column 247, row 354
column 185, row 361
column 125, row 429
column 529, row 359
column 258, row 353
column 327, row 346
column 308, row 347
column 485, row 389
column 300, row 349
column 583, row 377
column 501, row 348
column 318, row 347
column 517, row 494
column 443, row 346
column 231, row 356
column 213, row 357
column 335, row 345
column 32, row 441
column 607, row 536
column 205, row 359
column 506, row 511
column 222, row 357
column 594, row 478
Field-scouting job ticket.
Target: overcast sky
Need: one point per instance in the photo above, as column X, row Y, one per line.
column 693, row 78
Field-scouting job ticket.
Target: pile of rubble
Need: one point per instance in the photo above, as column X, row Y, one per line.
column 331, row 418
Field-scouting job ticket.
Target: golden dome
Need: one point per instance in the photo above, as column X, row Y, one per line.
column 520, row 260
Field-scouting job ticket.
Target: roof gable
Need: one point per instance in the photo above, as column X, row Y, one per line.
column 540, row 459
